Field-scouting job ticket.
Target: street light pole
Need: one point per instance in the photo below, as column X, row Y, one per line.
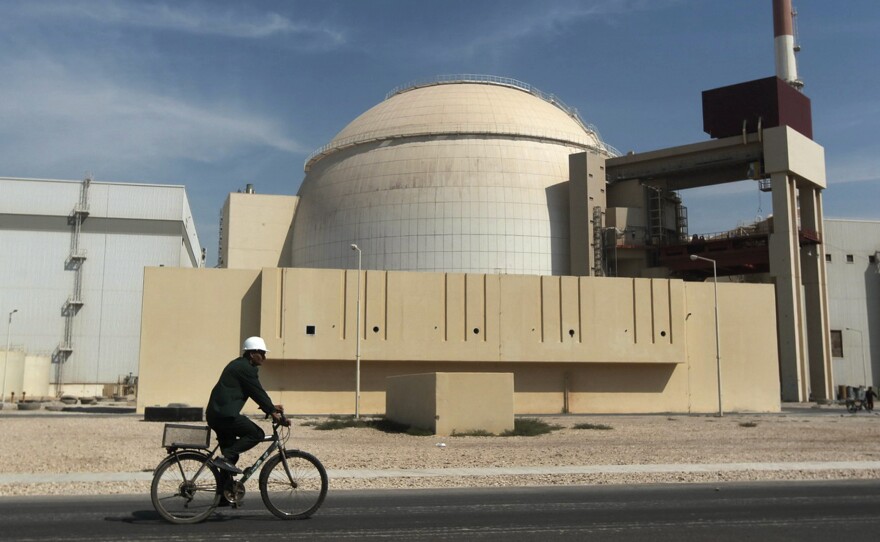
column 357, row 377
column 6, row 353
column 864, row 357
column 694, row 258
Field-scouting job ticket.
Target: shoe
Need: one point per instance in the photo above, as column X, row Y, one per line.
column 223, row 463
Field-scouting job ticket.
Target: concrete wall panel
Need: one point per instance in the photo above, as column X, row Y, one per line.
column 609, row 371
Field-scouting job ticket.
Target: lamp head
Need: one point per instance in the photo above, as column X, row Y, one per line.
column 354, row 246
column 693, row 257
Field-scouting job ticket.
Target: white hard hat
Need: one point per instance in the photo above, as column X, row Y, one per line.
column 254, row 343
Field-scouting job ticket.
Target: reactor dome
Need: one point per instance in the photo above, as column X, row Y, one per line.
column 457, row 174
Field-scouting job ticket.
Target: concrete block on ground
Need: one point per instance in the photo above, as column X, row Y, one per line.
column 448, row 403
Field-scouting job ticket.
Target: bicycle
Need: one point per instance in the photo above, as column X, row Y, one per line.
column 854, row 405
column 187, row 487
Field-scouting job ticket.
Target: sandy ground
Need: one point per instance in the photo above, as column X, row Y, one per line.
column 87, row 443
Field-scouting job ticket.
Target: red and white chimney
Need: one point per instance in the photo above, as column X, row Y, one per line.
column 783, row 39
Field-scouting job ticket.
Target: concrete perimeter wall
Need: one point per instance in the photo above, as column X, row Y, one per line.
column 582, row 344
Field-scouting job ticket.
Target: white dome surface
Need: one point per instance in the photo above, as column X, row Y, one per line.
column 457, row 177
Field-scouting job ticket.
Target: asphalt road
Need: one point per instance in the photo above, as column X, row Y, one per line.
column 802, row 511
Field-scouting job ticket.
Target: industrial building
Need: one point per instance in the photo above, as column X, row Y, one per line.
column 475, row 224
column 71, row 281
column 490, row 229
column 483, row 247
column 852, row 257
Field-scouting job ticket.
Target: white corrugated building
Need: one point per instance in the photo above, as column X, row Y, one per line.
column 852, row 258
column 73, row 258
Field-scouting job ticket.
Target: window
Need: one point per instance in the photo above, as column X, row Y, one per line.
column 849, row 258
column 828, row 258
column 836, row 343
column 872, row 258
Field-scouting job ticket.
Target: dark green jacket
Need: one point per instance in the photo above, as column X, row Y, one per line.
column 239, row 382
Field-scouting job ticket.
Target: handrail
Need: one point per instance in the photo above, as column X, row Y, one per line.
column 736, row 233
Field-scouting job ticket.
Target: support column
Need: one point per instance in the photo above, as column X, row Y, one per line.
column 816, row 296
column 586, row 190
column 786, row 270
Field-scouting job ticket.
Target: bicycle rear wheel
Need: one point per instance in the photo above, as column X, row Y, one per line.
column 185, row 488
column 296, row 493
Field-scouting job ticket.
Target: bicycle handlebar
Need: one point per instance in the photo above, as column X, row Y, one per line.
column 284, row 420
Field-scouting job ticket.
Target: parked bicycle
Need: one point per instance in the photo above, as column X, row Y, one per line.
column 187, row 487
column 854, row 405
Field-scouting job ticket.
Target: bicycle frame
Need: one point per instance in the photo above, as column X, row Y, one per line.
column 276, row 445
column 249, row 471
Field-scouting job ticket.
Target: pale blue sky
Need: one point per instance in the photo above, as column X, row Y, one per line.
column 214, row 95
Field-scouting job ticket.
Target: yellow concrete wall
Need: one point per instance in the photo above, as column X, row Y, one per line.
column 256, row 230
column 450, row 316
column 595, row 344
column 194, row 323
column 749, row 357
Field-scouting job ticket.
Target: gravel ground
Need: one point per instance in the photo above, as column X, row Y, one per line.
column 62, row 443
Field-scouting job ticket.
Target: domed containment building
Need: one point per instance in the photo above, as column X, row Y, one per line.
column 473, row 225
column 458, row 176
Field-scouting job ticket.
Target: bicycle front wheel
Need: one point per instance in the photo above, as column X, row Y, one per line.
column 297, row 490
column 185, row 488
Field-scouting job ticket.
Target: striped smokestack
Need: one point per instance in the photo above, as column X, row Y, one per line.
column 783, row 39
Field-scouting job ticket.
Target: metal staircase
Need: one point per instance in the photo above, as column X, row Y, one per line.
column 655, row 216
column 74, row 262
column 681, row 221
column 598, row 251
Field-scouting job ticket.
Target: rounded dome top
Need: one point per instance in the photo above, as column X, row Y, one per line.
column 467, row 105
column 464, row 174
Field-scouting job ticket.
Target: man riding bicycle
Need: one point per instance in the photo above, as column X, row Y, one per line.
column 239, row 382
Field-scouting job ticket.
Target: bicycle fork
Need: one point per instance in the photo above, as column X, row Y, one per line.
column 290, row 477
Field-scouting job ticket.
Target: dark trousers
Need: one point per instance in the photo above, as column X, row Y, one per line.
column 236, row 435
